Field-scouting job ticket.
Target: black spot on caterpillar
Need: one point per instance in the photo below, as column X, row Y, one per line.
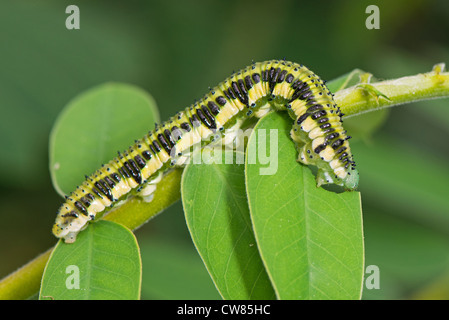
column 261, row 87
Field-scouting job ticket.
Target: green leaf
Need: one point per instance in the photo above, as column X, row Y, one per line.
column 93, row 127
column 103, row 263
column 217, row 215
column 310, row 239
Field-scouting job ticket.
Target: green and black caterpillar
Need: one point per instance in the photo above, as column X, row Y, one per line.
column 252, row 92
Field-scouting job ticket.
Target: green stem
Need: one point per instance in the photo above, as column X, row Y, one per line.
column 370, row 97
column 25, row 282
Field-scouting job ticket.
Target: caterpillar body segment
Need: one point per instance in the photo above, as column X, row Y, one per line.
column 252, row 92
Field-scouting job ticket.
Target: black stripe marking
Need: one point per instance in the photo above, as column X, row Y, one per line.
column 265, row 75
column 272, row 78
column 213, row 108
column 147, row 154
column 271, row 74
column 320, row 148
column 140, row 162
column 323, row 120
column 70, row 214
column 332, row 136
column 328, row 130
column 164, row 143
column 300, row 91
column 298, row 84
column 135, row 172
column 282, row 76
column 97, row 193
column 236, row 91
column 157, row 146
column 206, row 121
column 90, row 196
column 221, row 100
column 125, row 174
column 230, row 94
column 115, row 177
column 256, row 78
column 208, row 114
column 102, row 189
column 243, row 91
column 176, row 132
column 318, row 114
column 302, row 118
column 195, row 121
column 107, row 188
column 85, row 201
column 311, row 103
column 289, row 78
column 275, row 76
column 248, row 83
column 337, row 143
column 152, row 149
column 226, row 93
column 186, row 126
column 315, row 108
column 242, row 87
column 110, row 182
column 344, row 154
column 169, row 138
column 307, row 96
column 80, row 207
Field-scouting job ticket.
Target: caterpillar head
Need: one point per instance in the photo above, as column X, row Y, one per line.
column 352, row 180
column 347, row 178
column 68, row 224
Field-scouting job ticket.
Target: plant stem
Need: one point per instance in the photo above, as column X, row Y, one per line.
column 25, row 282
column 364, row 98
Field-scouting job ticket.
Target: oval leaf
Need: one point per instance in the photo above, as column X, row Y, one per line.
column 310, row 239
column 103, row 263
column 217, row 215
column 93, row 127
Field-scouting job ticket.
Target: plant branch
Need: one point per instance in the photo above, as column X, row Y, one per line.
column 367, row 97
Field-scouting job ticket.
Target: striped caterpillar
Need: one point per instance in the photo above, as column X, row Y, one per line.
column 252, row 92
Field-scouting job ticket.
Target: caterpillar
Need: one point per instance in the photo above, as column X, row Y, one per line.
column 262, row 87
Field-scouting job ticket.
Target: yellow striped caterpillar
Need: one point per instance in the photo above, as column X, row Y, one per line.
column 252, row 92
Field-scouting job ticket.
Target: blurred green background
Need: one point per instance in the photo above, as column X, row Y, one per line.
column 177, row 49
